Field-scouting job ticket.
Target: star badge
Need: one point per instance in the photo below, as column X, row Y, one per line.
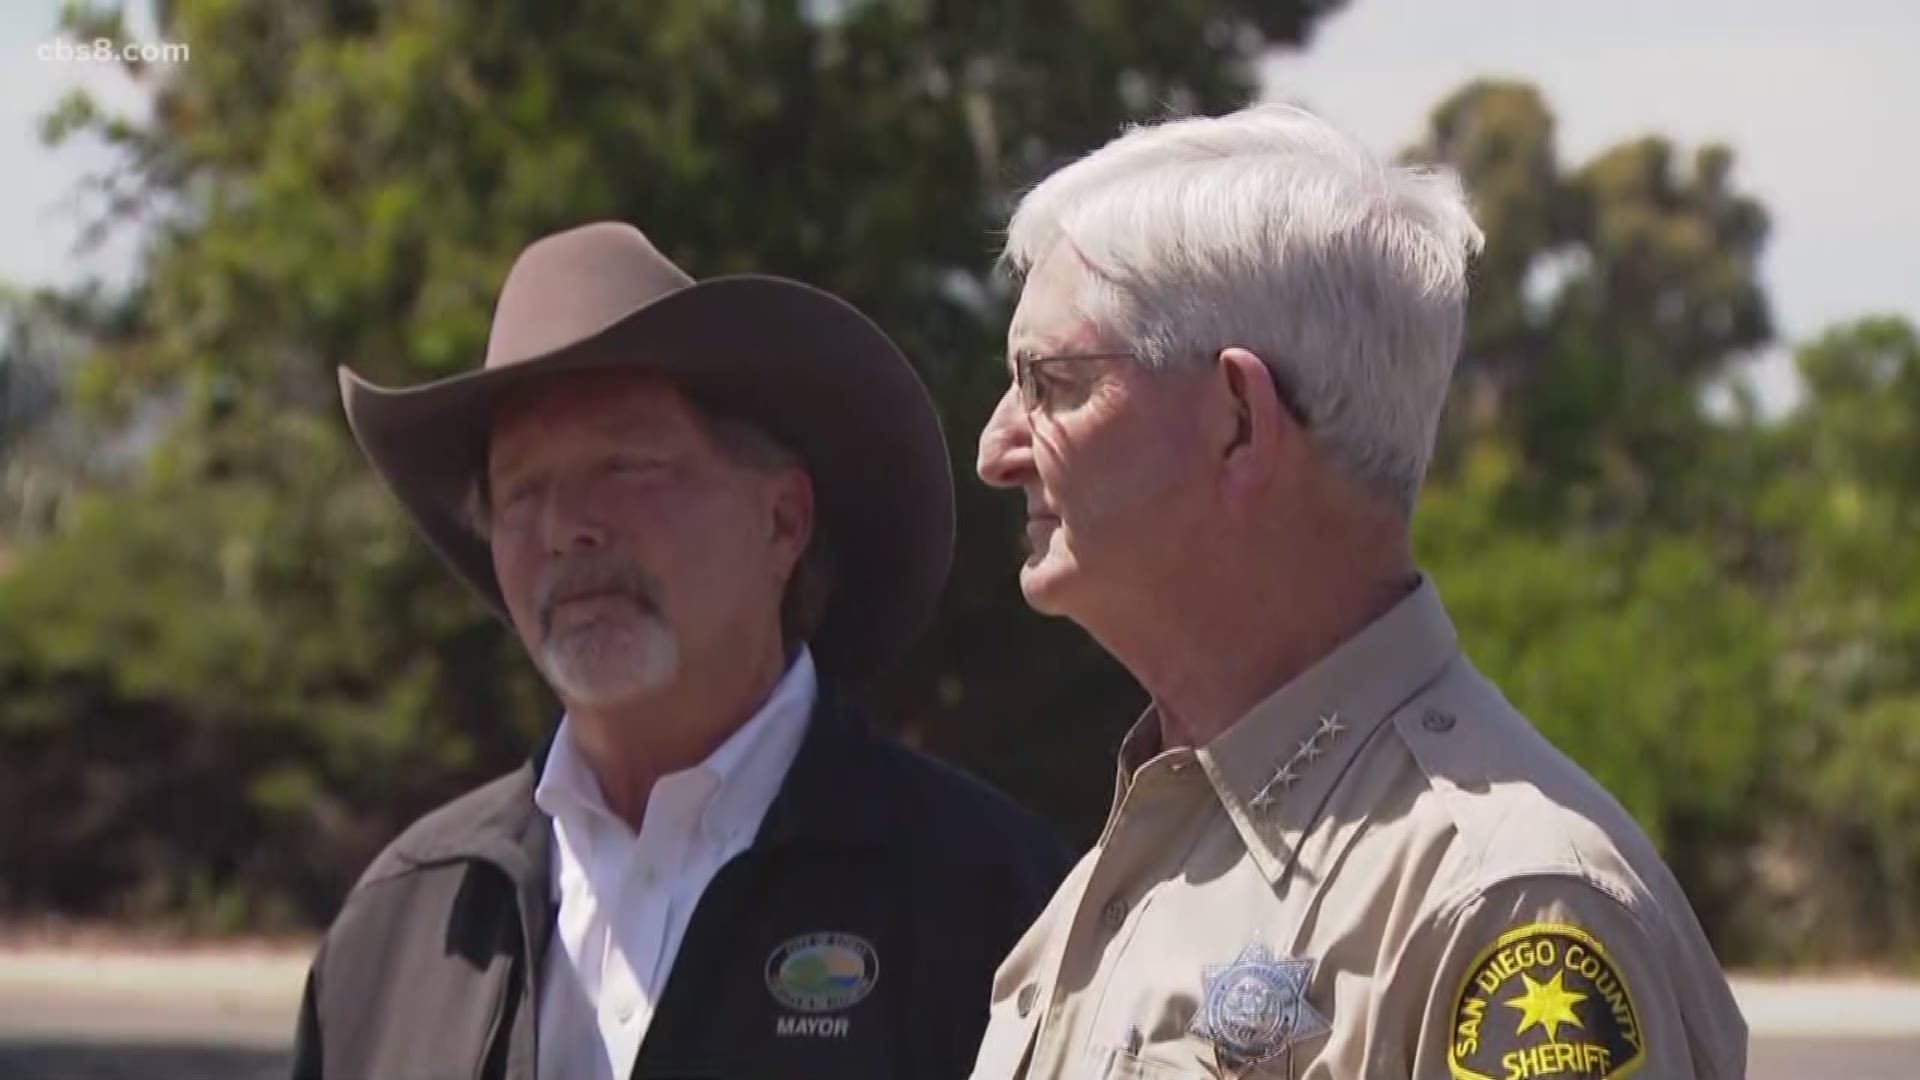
column 1254, row 1008
column 1547, row 1004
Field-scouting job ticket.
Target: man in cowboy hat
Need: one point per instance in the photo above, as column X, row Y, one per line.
column 706, row 507
column 1335, row 851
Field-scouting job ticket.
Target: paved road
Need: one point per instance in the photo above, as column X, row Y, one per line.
column 79, row 1016
column 66, row 1016
column 54, row 1059
column 1773, row 1059
column 1857, row 1058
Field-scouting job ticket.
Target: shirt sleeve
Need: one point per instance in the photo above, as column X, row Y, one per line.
column 1547, row 975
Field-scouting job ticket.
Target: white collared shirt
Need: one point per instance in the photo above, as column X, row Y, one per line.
column 624, row 900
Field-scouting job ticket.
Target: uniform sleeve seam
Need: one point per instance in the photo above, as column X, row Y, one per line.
column 1457, row 905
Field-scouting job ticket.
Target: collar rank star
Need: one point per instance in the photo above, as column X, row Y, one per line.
column 820, row 973
column 1544, row 1000
column 1295, row 766
column 1255, row 1008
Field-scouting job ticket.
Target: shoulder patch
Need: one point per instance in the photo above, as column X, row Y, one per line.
column 1544, row 1000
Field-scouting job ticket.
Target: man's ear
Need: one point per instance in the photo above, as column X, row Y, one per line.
column 793, row 512
column 1262, row 428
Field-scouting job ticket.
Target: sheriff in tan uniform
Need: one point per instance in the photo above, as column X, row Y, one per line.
column 1335, row 850
column 1381, row 871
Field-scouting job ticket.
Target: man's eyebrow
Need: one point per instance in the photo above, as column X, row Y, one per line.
column 507, row 474
column 1041, row 351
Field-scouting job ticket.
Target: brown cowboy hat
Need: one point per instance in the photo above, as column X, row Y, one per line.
column 801, row 363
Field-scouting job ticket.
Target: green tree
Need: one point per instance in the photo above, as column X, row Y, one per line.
column 1845, row 497
column 34, row 471
column 1635, row 654
column 1713, row 613
column 226, row 639
column 261, row 670
column 1610, row 296
column 1589, row 519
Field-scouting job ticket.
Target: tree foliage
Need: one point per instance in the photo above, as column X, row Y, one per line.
column 1710, row 611
column 345, row 183
column 229, row 671
column 1610, row 294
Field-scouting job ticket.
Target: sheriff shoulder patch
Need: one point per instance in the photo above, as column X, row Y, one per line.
column 1544, row 1000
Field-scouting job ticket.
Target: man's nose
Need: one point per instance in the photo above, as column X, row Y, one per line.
column 1006, row 443
column 572, row 518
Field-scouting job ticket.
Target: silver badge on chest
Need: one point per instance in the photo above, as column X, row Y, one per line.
column 1254, row 1008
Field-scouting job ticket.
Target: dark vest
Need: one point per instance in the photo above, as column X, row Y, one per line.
column 856, row 937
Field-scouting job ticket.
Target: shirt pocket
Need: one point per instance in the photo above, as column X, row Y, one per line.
column 1121, row 1065
column 1148, row 1033
column 1168, row 1064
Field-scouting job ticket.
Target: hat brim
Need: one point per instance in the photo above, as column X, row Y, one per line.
column 801, row 363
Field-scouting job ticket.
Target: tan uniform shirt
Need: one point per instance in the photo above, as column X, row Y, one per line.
column 1382, row 871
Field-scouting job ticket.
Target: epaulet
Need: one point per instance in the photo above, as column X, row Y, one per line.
column 1460, row 733
column 1516, row 803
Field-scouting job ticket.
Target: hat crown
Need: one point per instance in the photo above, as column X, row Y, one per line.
column 571, row 285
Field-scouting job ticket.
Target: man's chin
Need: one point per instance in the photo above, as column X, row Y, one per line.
column 579, row 689
column 640, row 662
column 1043, row 581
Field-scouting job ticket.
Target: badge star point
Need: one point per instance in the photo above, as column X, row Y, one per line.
column 1548, row 1004
column 1330, row 725
column 1255, row 1009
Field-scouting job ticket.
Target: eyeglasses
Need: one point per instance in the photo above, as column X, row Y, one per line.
column 1033, row 392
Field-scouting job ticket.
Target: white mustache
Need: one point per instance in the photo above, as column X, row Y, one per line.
column 583, row 575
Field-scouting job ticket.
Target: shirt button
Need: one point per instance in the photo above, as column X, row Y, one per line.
column 625, row 1011
column 1025, row 1000
column 1437, row 721
column 1114, row 914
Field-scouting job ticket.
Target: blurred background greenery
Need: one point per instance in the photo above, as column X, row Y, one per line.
column 229, row 673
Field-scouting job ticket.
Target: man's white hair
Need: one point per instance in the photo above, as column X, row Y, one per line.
column 1271, row 230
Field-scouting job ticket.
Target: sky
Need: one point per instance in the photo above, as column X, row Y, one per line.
column 40, row 218
column 1820, row 102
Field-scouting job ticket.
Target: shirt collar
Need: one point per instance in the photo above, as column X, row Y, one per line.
column 1336, row 705
column 746, row 769
column 566, row 787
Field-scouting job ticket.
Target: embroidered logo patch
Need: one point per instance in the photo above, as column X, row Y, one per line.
column 1255, row 1008
column 1544, row 1000
column 822, row 971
